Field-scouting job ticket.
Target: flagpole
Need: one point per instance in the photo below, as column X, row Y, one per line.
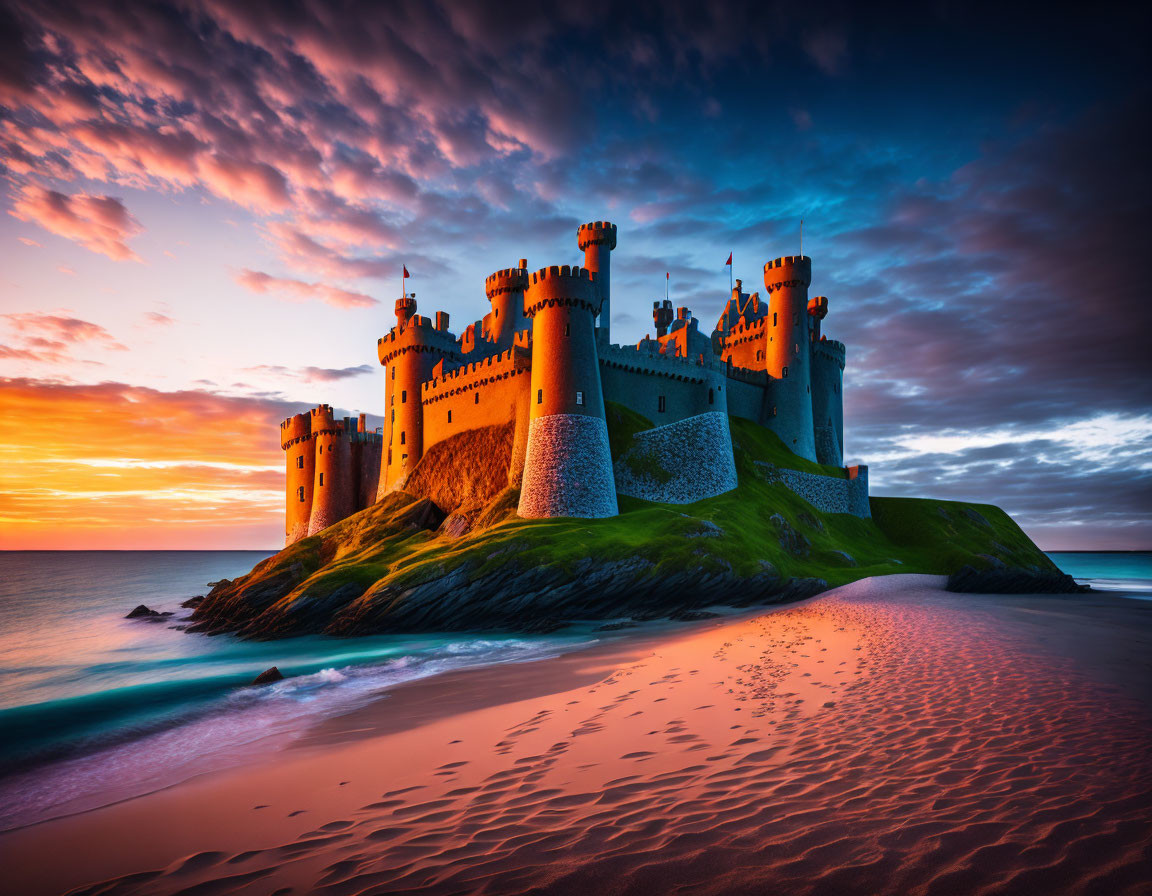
column 731, row 285
column 801, row 237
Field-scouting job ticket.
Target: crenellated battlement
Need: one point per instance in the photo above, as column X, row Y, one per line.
column 512, row 362
column 596, row 233
column 637, row 360
column 295, row 429
column 569, row 285
column 818, row 307
column 418, row 334
column 788, row 270
column 506, row 280
column 830, row 350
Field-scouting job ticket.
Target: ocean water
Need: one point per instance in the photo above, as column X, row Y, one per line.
column 1124, row 571
column 93, row 704
column 95, row 707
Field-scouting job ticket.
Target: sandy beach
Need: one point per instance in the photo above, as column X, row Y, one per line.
column 886, row 737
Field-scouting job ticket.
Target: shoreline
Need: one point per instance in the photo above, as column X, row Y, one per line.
column 541, row 750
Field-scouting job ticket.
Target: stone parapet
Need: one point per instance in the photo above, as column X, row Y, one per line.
column 680, row 463
column 828, row 494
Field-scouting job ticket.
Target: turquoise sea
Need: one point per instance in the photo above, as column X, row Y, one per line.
column 93, row 703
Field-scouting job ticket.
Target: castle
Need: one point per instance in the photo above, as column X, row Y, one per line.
column 542, row 361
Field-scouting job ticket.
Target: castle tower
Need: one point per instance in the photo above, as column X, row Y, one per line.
column 662, row 316
column 568, row 464
column 408, row 353
column 334, row 488
column 827, row 388
column 505, row 291
column 787, row 351
column 299, row 471
column 597, row 240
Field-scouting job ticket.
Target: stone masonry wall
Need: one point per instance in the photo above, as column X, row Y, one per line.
column 826, row 493
column 685, row 461
column 567, row 468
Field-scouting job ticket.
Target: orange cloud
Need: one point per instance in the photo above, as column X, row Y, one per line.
column 99, row 223
column 258, row 281
column 119, row 466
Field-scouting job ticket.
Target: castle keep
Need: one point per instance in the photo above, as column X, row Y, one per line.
column 542, row 363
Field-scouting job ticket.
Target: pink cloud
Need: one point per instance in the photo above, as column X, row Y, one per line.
column 259, row 282
column 99, row 223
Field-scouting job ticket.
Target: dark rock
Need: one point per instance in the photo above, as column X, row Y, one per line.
column 791, row 540
column 193, row 602
column 268, row 676
column 617, row 626
column 969, row 580
column 142, row 612
column 848, row 559
column 977, row 518
column 807, row 519
column 693, row 615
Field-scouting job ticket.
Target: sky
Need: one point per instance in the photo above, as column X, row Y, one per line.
column 206, row 207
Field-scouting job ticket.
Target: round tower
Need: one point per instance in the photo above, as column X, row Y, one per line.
column 817, row 311
column 299, row 470
column 505, row 291
column 568, row 464
column 596, row 240
column 333, row 489
column 787, row 351
column 405, row 309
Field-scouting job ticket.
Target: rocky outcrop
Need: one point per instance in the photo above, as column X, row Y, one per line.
column 680, row 463
column 1007, row 580
column 519, row 597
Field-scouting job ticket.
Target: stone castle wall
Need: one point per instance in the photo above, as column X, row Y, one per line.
column 828, row 494
column 679, row 463
column 484, row 393
column 568, row 468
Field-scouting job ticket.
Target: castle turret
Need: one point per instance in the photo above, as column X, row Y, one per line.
column 787, row 351
column 505, row 291
column 817, row 311
column 662, row 316
column 827, row 388
column 597, row 240
column 299, row 470
column 408, row 353
column 334, row 487
column 568, row 464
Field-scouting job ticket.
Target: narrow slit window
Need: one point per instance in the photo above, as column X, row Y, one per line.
column 449, row 416
column 300, row 462
column 579, row 398
column 539, row 396
column 711, row 396
column 567, row 329
column 403, row 396
column 402, row 439
column 773, row 318
column 321, row 478
column 476, row 398
column 300, row 493
column 661, row 404
column 785, row 371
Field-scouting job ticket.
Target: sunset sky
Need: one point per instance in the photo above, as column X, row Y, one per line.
column 207, row 206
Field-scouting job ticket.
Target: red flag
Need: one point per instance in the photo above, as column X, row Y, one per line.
column 406, row 274
column 729, row 261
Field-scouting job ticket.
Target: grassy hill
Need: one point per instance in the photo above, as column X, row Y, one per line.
column 394, row 567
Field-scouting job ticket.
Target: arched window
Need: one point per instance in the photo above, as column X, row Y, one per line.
column 785, row 371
